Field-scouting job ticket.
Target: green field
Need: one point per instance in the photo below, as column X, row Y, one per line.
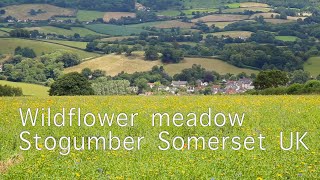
column 172, row 13
column 9, row 44
column 76, row 44
column 66, row 32
column 114, row 29
column 264, row 115
column 3, row 34
column 83, row 15
column 200, row 3
column 313, row 66
column 29, row 89
column 287, row 38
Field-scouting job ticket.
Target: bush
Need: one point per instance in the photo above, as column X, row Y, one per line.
column 72, row 84
column 295, row 89
column 10, row 91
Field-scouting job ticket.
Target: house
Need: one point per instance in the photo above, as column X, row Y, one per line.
column 216, row 89
column 201, row 84
column 164, row 88
column 190, row 89
column 179, row 84
column 151, row 85
column 1, row 67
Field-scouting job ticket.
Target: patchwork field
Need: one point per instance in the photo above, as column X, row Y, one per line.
column 117, row 15
column 21, row 12
column 265, row 115
column 66, row 32
column 221, row 18
column 114, row 64
column 313, row 66
column 9, row 44
column 29, row 89
column 114, row 30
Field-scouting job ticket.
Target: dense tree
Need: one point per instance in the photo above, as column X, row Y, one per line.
column 25, row 52
column 270, row 78
column 299, row 76
column 105, row 86
column 170, row 55
column 151, row 53
column 72, row 84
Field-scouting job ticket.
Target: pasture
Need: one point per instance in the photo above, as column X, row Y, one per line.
column 76, row 44
column 264, row 115
column 233, row 34
column 114, row 30
column 287, row 38
column 8, row 46
column 313, row 66
column 221, row 18
column 117, row 15
column 21, row 12
column 60, row 31
column 164, row 24
column 29, row 89
column 114, row 64
column 83, row 15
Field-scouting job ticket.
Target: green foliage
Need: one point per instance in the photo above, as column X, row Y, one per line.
column 160, row 4
column 270, row 79
column 25, row 52
column 72, row 84
column 10, row 91
column 151, row 53
column 170, row 55
column 104, row 86
column 197, row 73
column 299, row 76
column 20, row 33
column 28, row 70
column 101, row 5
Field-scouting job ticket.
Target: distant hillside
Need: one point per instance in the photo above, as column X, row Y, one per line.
column 101, row 5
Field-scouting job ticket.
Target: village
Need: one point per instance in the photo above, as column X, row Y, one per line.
column 183, row 87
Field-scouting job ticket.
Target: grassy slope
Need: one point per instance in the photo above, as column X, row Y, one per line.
column 313, row 66
column 75, row 44
column 9, row 44
column 114, row 64
column 233, row 34
column 287, row 38
column 61, row 31
column 29, row 89
column 210, row 64
column 83, row 15
column 114, row 30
